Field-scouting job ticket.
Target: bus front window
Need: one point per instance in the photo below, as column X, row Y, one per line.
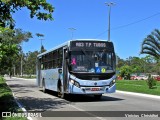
column 92, row 61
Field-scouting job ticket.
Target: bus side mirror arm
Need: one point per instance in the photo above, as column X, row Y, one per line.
column 66, row 55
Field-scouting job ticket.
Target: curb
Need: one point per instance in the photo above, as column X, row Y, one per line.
column 139, row 94
column 19, row 105
column 24, row 78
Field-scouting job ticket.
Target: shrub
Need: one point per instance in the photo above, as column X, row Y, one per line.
column 151, row 82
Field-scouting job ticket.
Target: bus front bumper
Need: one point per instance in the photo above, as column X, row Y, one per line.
column 92, row 90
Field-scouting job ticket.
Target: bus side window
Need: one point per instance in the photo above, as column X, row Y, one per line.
column 59, row 57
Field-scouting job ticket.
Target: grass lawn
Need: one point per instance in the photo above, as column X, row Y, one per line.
column 139, row 86
column 7, row 102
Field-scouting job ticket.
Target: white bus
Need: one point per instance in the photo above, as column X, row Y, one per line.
column 78, row 67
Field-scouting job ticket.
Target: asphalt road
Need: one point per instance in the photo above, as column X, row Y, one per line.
column 33, row 99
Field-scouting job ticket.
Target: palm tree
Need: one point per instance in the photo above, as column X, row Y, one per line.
column 151, row 44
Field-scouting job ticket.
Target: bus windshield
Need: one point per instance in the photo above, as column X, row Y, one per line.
column 100, row 61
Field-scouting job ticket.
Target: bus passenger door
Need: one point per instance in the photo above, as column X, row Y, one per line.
column 38, row 67
column 65, row 70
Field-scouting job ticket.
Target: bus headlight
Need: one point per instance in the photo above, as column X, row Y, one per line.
column 112, row 82
column 75, row 83
column 72, row 81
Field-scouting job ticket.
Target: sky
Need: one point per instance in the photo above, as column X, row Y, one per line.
column 131, row 22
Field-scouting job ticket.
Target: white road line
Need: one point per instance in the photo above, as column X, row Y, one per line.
column 19, row 105
column 100, row 118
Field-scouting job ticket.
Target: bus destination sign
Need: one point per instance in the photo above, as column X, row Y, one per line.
column 75, row 45
column 89, row 44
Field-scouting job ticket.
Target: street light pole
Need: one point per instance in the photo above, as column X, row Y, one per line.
column 109, row 4
column 72, row 30
column 41, row 44
column 22, row 63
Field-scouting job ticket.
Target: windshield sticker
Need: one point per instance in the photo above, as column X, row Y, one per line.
column 73, row 61
column 96, row 64
column 92, row 70
column 98, row 70
column 80, row 68
column 103, row 70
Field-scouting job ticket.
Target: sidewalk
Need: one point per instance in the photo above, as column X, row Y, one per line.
column 139, row 94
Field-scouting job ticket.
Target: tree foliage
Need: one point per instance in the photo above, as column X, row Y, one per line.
column 10, row 41
column 30, row 63
column 151, row 82
column 151, row 44
column 36, row 7
column 136, row 66
column 125, row 71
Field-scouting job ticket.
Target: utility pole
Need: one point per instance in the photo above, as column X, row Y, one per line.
column 72, row 30
column 22, row 60
column 40, row 35
column 14, row 68
column 109, row 4
column 41, row 44
column 22, row 65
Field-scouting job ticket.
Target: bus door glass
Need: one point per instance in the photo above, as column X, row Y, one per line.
column 65, row 69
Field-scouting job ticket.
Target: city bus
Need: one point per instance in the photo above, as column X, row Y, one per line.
column 81, row 66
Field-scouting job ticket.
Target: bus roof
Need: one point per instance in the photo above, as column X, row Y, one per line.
column 67, row 43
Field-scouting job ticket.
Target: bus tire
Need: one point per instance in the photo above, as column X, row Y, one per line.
column 98, row 96
column 43, row 87
column 60, row 93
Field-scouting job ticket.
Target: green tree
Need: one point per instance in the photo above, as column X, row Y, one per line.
column 151, row 82
column 10, row 41
column 30, row 63
column 7, row 50
column 125, row 71
column 151, row 44
column 36, row 7
column 121, row 62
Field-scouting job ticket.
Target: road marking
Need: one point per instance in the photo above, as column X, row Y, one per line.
column 100, row 118
column 138, row 94
column 19, row 105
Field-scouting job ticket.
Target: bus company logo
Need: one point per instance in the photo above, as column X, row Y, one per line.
column 95, row 83
column 6, row 114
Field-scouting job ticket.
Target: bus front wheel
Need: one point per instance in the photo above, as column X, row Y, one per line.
column 60, row 93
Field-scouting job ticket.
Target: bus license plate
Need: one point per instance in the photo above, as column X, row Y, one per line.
column 95, row 89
